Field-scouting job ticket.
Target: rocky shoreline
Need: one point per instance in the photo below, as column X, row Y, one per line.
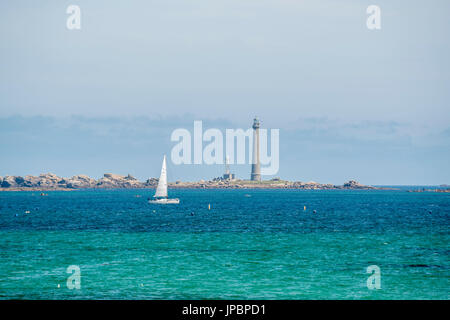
column 50, row 181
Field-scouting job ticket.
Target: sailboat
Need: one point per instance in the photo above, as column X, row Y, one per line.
column 160, row 196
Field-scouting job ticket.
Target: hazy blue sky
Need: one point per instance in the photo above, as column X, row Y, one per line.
column 350, row 103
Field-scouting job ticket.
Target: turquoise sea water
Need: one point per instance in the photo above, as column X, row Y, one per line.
column 252, row 244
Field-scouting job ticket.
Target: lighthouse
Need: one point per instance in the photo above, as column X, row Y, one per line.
column 256, row 167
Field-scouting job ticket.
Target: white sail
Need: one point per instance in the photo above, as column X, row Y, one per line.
column 161, row 190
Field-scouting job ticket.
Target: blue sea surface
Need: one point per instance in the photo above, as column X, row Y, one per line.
column 251, row 244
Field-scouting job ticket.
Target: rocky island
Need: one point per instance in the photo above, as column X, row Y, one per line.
column 50, row 181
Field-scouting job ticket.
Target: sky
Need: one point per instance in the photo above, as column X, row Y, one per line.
column 350, row 103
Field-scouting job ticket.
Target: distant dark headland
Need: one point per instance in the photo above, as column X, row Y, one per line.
column 50, row 181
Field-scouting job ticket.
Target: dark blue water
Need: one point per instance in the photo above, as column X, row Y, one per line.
column 250, row 244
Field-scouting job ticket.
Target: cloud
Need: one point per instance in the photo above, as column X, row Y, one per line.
column 311, row 148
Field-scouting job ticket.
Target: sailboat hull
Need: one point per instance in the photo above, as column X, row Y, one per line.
column 165, row 201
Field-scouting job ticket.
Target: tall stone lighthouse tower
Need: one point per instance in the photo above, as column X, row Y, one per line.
column 256, row 166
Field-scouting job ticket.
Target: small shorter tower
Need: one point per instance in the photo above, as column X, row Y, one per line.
column 256, row 166
column 228, row 175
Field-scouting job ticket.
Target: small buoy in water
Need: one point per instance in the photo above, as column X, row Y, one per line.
column 59, row 286
column 304, row 208
column 27, row 211
column 154, row 210
column 192, row 213
column 16, row 215
column 142, row 284
column 209, row 206
column 314, row 211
